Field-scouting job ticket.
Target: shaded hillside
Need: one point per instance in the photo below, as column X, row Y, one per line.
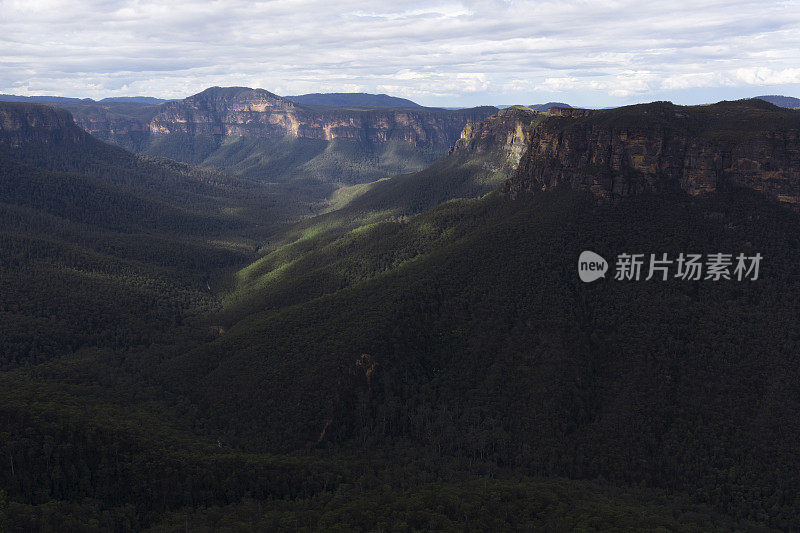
column 100, row 244
column 445, row 370
column 465, row 331
column 486, row 155
column 661, row 146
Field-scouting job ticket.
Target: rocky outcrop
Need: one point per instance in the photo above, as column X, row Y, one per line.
column 256, row 113
column 505, row 136
column 259, row 135
column 698, row 149
column 108, row 120
column 22, row 124
column 243, row 112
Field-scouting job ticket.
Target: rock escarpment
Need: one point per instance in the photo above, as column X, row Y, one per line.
column 500, row 140
column 22, row 124
column 259, row 135
column 509, row 129
column 236, row 111
column 629, row 150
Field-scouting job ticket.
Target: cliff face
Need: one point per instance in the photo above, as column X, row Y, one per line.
column 510, row 128
column 486, row 155
column 243, row 112
column 500, row 140
column 22, row 124
column 228, row 111
column 108, row 120
column 259, row 135
column 256, row 113
column 629, row 150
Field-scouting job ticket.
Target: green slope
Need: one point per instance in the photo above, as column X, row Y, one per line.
column 445, row 370
column 484, row 158
column 103, row 248
column 485, row 346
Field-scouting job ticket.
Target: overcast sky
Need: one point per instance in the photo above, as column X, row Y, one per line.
column 586, row 53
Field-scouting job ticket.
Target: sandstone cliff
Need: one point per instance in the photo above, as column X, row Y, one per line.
column 486, row 154
column 256, row 113
column 22, row 124
column 698, row 149
column 508, row 132
column 237, row 111
column 259, row 135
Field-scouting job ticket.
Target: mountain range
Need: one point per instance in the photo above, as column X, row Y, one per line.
column 781, row 101
column 352, row 100
column 182, row 350
column 258, row 135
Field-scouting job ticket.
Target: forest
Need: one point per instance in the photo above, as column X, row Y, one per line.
column 175, row 358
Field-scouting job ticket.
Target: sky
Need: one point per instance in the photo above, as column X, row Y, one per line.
column 442, row 53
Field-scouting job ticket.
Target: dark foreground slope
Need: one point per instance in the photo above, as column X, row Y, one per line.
column 442, row 371
column 451, row 371
column 467, row 333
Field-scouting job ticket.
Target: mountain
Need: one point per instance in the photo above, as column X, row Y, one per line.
column 781, row 101
column 352, row 100
column 540, row 107
column 464, row 331
column 463, row 334
column 94, row 238
column 660, row 146
column 258, row 135
column 140, row 100
column 144, row 100
column 44, row 99
column 431, row 367
column 546, row 107
column 105, row 118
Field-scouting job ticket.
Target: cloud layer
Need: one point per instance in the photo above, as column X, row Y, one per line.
column 448, row 52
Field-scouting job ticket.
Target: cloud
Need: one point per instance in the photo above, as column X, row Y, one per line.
column 438, row 52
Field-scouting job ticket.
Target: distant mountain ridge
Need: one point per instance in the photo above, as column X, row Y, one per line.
column 781, row 101
column 541, row 107
column 546, row 107
column 142, row 100
column 257, row 134
column 352, row 99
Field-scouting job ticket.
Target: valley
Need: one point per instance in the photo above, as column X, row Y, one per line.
column 196, row 334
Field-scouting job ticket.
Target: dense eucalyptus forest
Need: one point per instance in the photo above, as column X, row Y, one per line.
column 181, row 350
